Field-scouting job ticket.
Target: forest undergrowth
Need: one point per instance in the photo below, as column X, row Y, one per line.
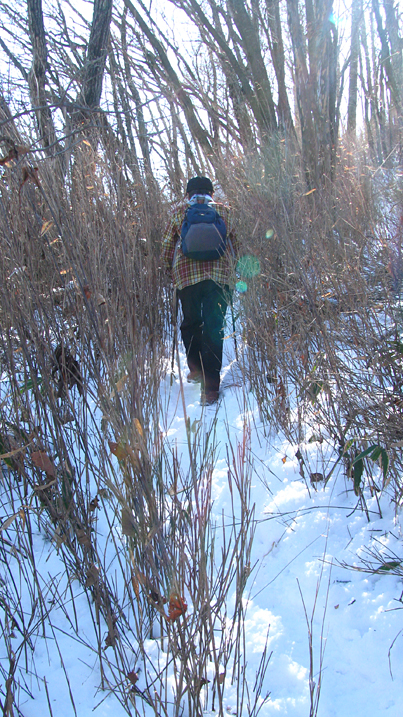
column 87, row 337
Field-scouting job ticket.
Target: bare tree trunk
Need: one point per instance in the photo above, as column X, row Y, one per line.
column 232, row 66
column 37, row 75
column 356, row 17
column 278, row 56
column 198, row 133
column 315, row 72
column 392, row 80
column 252, row 47
column 96, row 54
column 141, row 125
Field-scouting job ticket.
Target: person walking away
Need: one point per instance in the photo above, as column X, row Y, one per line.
column 199, row 248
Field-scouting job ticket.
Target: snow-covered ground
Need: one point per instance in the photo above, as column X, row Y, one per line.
column 297, row 587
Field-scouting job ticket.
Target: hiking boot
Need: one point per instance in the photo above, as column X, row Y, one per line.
column 194, row 376
column 209, row 397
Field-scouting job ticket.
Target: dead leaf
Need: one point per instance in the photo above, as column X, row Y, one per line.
column 221, row 678
column 132, row 676
column 94, row 503
column 7, row 160
column 10, row 454
column 317, row 477
column 121, row 383
column 44, row 486
column 16, row 151
column 83, row 538
column 119, row 450
column 177, row 606
column 41, row 460
column 92, row 576
column 284, row 459
column 109, row 641
column 87, row 291
column 139, row 427
column 21, row 513
column 128, row 523
column 136, row 586
column 8, row 522
column 58, row 539
column 29, row 174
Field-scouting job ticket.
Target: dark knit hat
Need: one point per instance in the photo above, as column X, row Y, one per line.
column 199, row 185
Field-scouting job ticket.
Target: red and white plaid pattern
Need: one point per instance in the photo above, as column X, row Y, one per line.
column 186, row 272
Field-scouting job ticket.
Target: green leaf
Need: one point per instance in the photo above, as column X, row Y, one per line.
column 385, row 462
column 365, row 453
column 389, row 566
column 314, row 389
column 30, row 384
column 376, row 453
column 348, row 445
column 358, row 469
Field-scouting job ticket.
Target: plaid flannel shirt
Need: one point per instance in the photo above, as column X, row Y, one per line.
column 185, row 271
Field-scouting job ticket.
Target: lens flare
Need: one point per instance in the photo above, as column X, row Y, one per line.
column 248, row 266
column 241, row 286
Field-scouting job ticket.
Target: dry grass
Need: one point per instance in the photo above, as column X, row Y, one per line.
column 85, row 342
column 86, row 331
column 322, row 319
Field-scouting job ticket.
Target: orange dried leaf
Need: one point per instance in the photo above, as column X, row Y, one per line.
column 21, row 513
column 177, row 606
column 139, row 427
column 284, row 459
column 121, row 383
column 41, row 460
column 136, row 586
column 119, row 450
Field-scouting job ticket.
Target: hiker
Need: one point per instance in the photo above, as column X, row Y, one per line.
column 199, row 249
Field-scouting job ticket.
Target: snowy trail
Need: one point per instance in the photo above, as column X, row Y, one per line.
column 355, row 617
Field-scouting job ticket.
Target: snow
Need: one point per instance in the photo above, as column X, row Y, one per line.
column 306, row 540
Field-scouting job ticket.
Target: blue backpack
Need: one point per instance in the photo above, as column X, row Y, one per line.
column 203, row 233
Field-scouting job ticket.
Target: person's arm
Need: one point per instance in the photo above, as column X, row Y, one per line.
column 171, row 237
